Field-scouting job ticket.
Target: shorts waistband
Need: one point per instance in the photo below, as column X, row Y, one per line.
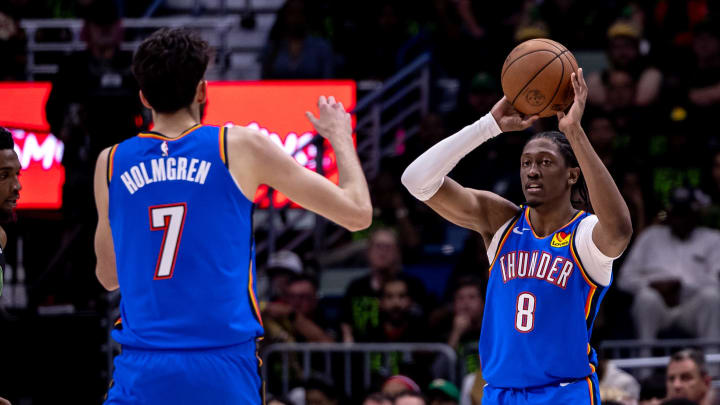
column 243, row 347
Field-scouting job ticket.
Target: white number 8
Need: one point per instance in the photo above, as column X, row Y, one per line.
column 525, row 315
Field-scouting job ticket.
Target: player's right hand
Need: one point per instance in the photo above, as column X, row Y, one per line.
column 509, row 119
column 333, row 122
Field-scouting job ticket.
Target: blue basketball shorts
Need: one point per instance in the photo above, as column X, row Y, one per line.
column 227, row 376
column 585, row 391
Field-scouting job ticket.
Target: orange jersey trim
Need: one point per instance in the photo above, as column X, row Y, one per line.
column 223, row 132
column 119, row 321
column 502, row 242
column 590, row 283
column 111, row 157
column 527, row 219
column 165, row 138
column 590, row 388
column 251, row 291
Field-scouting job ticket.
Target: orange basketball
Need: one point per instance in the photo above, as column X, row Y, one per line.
column 536, row 77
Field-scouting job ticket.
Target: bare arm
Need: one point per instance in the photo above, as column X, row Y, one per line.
column 105, row 269
column 255, row 160
column 426, row 177
column 614, row 228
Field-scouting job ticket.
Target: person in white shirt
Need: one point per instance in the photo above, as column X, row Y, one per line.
column 673, row 270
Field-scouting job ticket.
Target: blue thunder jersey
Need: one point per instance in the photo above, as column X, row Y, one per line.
column 539, row 310
column 184, row 250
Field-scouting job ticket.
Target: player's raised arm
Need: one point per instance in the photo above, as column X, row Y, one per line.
column 260, row 161
column 105, row 268
column 426, row 177
column 614, row 228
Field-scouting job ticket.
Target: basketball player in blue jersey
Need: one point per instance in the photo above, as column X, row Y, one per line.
column 175, row 232
column 550, row 262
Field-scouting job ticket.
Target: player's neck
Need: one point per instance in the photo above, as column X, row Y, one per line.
column 174, row 124
column 548, row 218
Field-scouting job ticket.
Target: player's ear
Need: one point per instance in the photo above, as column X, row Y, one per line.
column 144, row 101
column 573, row 175
column 201, row 92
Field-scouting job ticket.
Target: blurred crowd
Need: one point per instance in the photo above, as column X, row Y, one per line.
column 653, row 71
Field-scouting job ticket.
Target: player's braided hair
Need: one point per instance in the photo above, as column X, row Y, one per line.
column 579, row 193
column 6, row 139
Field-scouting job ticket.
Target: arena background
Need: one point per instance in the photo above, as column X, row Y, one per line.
column 413, row 72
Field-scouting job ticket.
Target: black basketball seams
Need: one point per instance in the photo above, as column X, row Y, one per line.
column 520, row 57
column 537, row 73
column 557, row 88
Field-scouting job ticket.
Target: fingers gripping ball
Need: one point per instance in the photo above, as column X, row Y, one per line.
column 536, row 77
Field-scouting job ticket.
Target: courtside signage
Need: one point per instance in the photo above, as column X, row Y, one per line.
column 277, row 109
column 22, row 111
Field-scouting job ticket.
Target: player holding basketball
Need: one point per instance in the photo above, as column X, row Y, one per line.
column 550, row 262
column 175, row 232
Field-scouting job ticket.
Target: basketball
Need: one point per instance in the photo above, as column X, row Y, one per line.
column 536, row 77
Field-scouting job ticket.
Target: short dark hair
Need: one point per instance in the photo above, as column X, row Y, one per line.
column 677, row 401
column 168, row 66
column 695, row 355
column 6, row 139
column 297, row 278
column 469, row 281
column 579, row 192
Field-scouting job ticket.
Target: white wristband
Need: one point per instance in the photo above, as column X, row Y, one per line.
column 424, row 177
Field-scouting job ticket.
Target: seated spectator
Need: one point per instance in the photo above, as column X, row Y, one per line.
column 399, row 384
column 443, row 392
column 294, row 318
column 410, row 398
column 377, row 398
column 687, row 378
column 318, row 392
column 281, row 266
column 623, row 53
column 460, row 328
column 399, row 321
column 361, row 303
column 653, row 389
column 292, row 52
column 673, row 270
column 624, row 386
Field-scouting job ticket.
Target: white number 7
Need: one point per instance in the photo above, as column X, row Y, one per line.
column 170, row 218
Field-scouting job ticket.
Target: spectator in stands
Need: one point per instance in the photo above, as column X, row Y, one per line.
column 281, row 266
column 399, row 384
column 319, row 392
column 443, row 392
column 619, row 384
column 400, row 318
column 653, row 389
column 705, row 79
column 390, row 209
column 361, row 303
column 460, row 328
column 711, row 187
column 410, row 398
column 12, row 47
column 292, row 52
column 93, row 104
column 673, row 270
column 623, row 53
column 377, row 398
column 687, row 378
column 294, row 318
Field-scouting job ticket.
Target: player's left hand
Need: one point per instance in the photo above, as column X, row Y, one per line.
column 573, row 117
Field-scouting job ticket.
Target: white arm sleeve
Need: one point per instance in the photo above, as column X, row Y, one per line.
column 597, row 265
column 426, row 174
